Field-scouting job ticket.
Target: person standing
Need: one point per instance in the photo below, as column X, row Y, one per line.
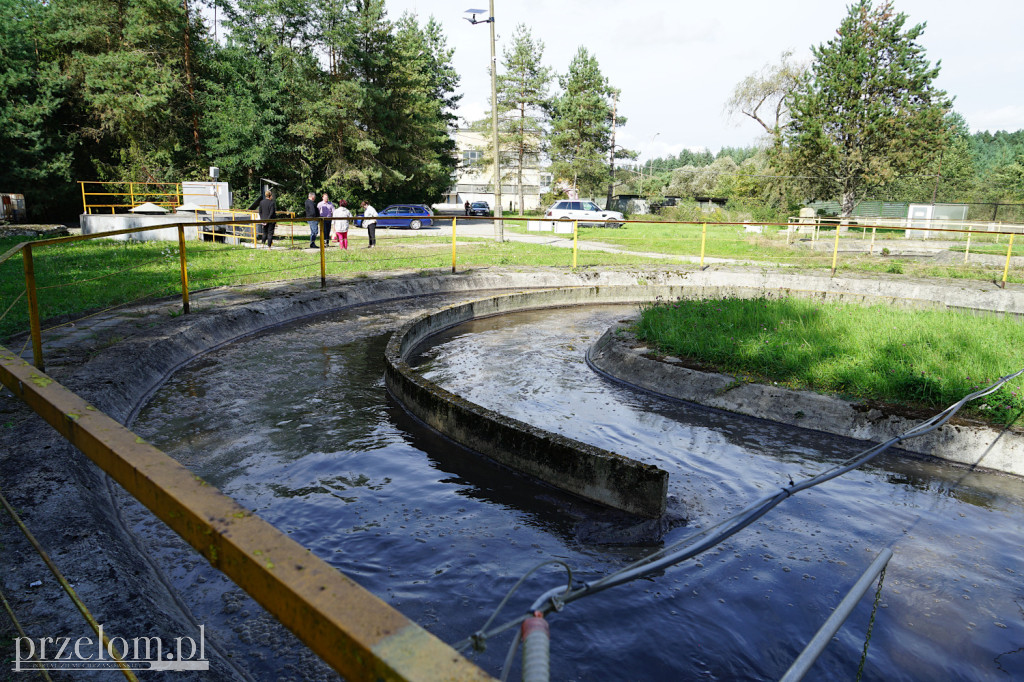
column 326, row 209
column 311, row 214
column 467, row 208
column 266, row 211
column 370, row 222
column 341, row 226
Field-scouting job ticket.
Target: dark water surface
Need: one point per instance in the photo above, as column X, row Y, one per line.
column 296, row 425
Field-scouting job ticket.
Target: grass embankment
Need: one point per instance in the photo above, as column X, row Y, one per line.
column 920, row 358
column 78, row 277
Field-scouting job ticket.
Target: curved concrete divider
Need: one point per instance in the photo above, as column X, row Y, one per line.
column 590, row 472
column 975, row 444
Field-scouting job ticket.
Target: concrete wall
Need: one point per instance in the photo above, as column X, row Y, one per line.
column 590, row 472
column 96, row 223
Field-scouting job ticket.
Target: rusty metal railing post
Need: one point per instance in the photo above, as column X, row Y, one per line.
column 323, row 257
column 33, row 307
column 703, row 242
column 185, row 308
column 575, row 234
column 1009, row 252
column 453, row 244
column 835, row 252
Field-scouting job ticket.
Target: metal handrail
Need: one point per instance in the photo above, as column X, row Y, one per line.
column 830, row 627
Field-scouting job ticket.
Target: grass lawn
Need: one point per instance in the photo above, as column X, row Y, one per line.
column 769, row 247
column 83, row 276
column 921, row 358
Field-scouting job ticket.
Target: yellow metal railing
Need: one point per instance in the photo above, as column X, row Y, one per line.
column 131, row 194
column 243, row 231
column 359, row 635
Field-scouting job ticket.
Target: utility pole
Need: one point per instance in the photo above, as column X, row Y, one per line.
column 499, row 227
column 499, row 231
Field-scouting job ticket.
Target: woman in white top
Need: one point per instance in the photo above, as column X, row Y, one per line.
column 341, row 226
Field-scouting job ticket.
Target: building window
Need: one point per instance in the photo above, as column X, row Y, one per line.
column 471, row 157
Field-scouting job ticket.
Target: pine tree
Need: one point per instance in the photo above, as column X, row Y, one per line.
column 523, row 104
column 581, row 125
column 869, row 111
column 36, row 153
column 129, row 78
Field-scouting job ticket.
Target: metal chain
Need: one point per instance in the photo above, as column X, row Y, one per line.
column 871, row 624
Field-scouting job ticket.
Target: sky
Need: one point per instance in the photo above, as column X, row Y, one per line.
column 678, row 61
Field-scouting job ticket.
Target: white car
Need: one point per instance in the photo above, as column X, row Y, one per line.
column 586, row 212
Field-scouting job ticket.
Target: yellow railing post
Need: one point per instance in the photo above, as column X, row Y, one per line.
column 1009, row 252
column 184, row 269
column 575, row 234
column 967, row 251
column 131, row 193
column 703, row 242
column 33, row 307
column 453, row 244
column 871, row 249
column 323, row 256
column 835, row 252
column 85, row 208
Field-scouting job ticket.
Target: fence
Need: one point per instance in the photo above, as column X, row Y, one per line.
column 971, row 253
column 353, row 631
column 128, row 195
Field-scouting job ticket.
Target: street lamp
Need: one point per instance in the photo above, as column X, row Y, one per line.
column 499, row 234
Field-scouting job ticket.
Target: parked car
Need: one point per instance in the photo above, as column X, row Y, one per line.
column 480, row 208
column 413, row 216
column 586, row 212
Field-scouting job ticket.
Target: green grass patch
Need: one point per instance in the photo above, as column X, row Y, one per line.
column 921, row 358
column 79, row 277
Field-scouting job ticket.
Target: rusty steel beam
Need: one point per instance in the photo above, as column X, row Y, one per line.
column 352, row 630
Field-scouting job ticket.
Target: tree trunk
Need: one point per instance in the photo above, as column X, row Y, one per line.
column 846, row 210
column 611, row 157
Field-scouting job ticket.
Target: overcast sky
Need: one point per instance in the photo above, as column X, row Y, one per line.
column 677, row 61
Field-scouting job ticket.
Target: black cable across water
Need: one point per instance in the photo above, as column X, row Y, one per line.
column 556, row 598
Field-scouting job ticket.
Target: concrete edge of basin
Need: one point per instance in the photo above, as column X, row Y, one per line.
column 618, row 355
column 590, row 472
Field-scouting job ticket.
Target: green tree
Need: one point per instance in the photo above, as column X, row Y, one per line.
column 762, row 95
column 130, row 78
column 403, row 103
column 948, row 177
column 36, row 153
column 264, row 92
column 581, row 125
column 868, row 110
column 523, row 104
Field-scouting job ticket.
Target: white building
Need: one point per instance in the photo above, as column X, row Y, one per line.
column 473, row 180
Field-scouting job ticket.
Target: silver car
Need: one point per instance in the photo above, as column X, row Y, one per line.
column 586, row 212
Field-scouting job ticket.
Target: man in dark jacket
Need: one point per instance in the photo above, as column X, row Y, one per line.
column 311, row 217
column 266, row 211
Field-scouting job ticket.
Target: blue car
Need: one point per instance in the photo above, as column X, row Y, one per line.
column 413, row 216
